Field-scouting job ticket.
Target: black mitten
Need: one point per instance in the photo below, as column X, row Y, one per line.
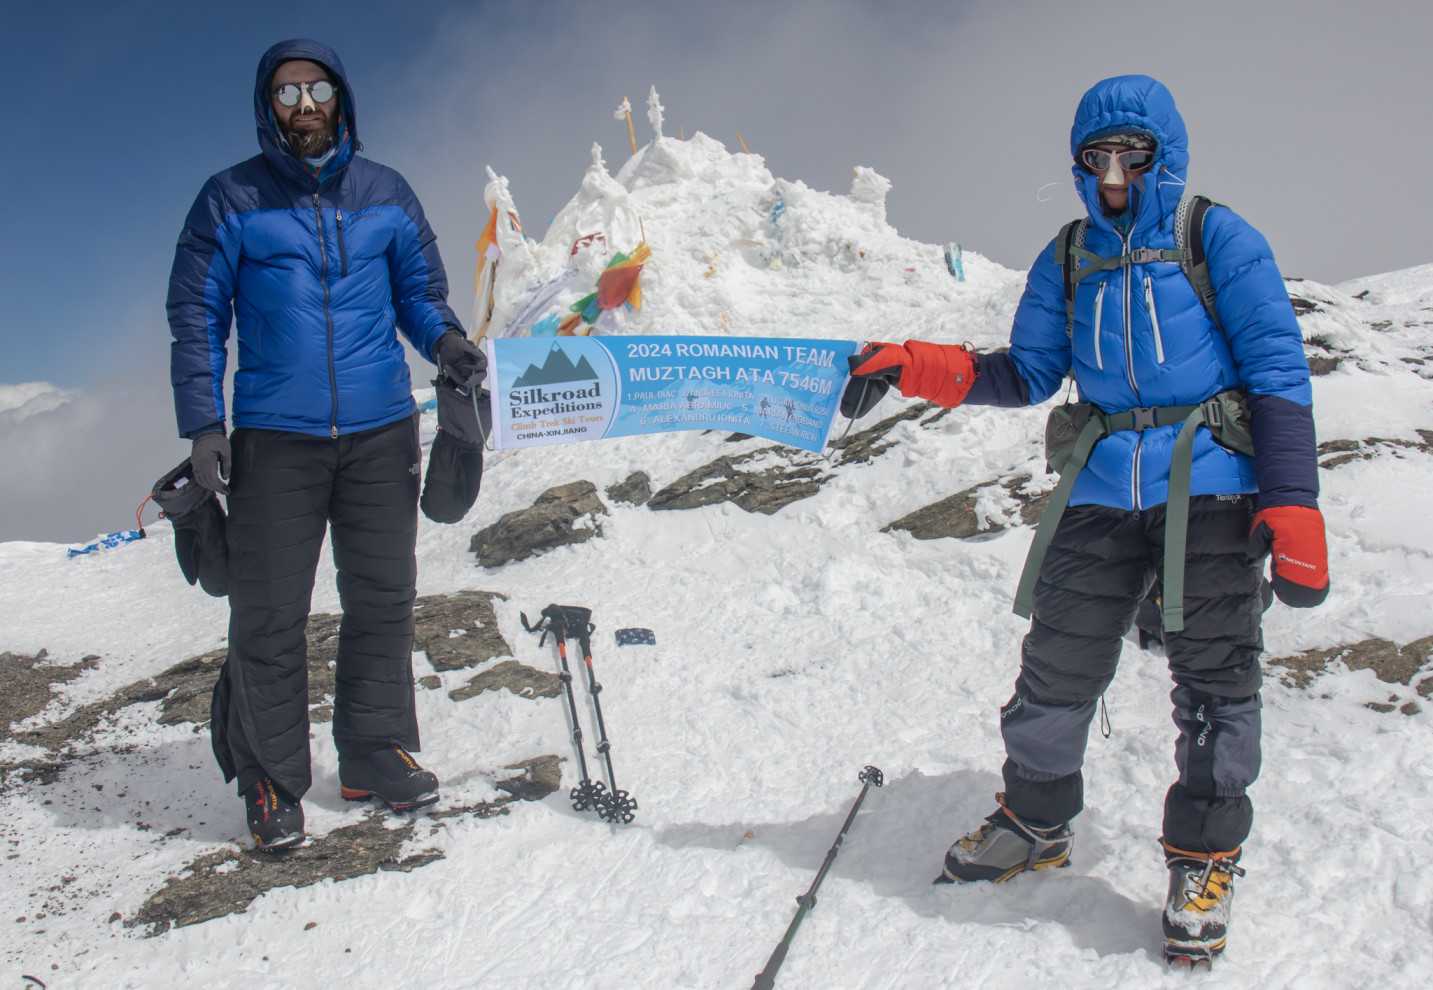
column 200, row 540
column 455, row 465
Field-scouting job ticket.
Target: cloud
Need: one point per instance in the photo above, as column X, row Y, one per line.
column 76, row 463
column 26, row 399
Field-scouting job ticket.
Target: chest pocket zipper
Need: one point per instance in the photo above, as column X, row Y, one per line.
column 342, row 251
column 1153, row 318
column 1099, row 313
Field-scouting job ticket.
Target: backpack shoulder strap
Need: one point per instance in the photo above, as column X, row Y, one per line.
column 1070, row 236
column 1189, row 232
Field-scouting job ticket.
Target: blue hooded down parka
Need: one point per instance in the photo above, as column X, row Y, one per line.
column 1144, row 339
column 318, row 267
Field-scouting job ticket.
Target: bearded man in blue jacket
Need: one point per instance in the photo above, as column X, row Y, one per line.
column 318, row 255
column 1148, row 353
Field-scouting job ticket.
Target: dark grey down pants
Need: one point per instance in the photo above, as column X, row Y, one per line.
column 286, row 490
column 1100, row 564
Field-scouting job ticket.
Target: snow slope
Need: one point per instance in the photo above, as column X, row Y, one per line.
column 793, row 649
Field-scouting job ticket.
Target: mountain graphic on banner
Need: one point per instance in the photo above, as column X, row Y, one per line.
column 557, row 368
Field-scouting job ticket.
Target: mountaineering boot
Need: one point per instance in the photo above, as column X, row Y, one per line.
column 1005, row 846
column 276, row 821
column 389, row 774
column 1197, row 910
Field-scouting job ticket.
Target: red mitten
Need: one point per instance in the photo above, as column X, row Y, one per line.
column 1295, row 534
column 942, row 373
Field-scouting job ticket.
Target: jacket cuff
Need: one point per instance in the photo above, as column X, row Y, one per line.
column 216, row 427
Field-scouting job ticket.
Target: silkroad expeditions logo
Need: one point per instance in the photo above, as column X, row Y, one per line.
column 557, row 388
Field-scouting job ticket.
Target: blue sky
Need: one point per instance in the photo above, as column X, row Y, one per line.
column 1309, row 117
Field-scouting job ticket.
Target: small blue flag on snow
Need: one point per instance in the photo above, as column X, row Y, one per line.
column 106, row 542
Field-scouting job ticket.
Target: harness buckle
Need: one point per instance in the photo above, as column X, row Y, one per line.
column 1143, row 418
column 1145, row 255
column 1213, row 414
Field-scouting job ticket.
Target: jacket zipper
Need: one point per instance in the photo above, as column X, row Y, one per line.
column 1129, row 338
column 1129, row 365
column 1099, row 313
column 1153, row 318
column 343, row 252
column 327, row 316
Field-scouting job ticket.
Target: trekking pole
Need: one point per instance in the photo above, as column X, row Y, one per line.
column 619, row 806
column 588, row 793
column 766, row 979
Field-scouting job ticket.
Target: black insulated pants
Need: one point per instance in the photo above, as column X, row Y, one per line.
column 286, row 490
column 1100, row 565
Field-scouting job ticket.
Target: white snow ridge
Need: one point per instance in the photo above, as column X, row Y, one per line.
column 792, row 649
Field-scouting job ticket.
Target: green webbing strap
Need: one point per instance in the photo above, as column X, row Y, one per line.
column 1093, row 263
column 1176, row 520
column 1050, row 518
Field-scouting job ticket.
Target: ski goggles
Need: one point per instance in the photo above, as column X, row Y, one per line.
column 289, row 94
column 1097, row 160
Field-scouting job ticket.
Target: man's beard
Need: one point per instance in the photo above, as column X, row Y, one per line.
column 312, row 142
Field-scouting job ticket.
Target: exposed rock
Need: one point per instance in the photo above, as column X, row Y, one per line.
column 1389, row 662
column 764, row 480
column 768, row 479
column 228, row 881
column 635, row 489
column 1341, row 452
column 540, row 776
column 26, row 682
column 552, row 521
column 955, row 515
column 459, row 630
column 520, row 679
column 866, row 445
column 1324, row 355
column 1302, row 306
column 184, row 690
column 430, row 682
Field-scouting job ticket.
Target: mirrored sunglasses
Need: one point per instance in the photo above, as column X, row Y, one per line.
column 289, row 94
column 1098, row 160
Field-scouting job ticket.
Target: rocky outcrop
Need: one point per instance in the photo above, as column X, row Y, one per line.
column 957, row 515
column 765, row 480
column 1334, row 453
column 520, row 679
column 26, row 684
column 460, row 630
column 1410, row 666
column 456, row 631
column 635, row 489
column 561, row 516
column 768, row 479
column 228, row 881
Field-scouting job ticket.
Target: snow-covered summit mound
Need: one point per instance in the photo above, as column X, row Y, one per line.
column 737, row 250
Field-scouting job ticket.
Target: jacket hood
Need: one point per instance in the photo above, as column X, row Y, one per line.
column 1139, row 103
column 273, row 145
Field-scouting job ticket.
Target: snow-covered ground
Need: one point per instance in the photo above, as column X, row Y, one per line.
column 792, row 650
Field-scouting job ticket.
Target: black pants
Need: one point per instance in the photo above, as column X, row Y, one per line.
column 286, row 489
column 1100, row 565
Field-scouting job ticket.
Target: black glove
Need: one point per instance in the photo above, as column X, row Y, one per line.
column 460, row 359
column 863, row 393
column 200, row 541
column 211, row 458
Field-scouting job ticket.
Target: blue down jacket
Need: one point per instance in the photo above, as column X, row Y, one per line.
column 318, row 269
column 1146, row 340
